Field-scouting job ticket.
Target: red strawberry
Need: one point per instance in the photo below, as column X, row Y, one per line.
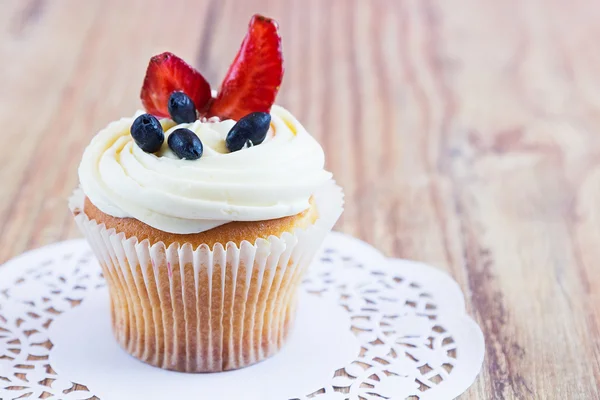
column 253, row 79
column 166, row 74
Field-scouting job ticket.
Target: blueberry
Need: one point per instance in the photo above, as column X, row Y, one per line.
column 253, row 127
column 147, row 133
column 181, row 108
column 185, row 144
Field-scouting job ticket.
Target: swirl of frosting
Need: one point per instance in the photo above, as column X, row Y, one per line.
column 271, row 180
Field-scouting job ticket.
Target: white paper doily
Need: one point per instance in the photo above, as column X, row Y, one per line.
column 367, row 328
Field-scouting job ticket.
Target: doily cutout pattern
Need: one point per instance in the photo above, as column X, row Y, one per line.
column 30, row 299
column 416, row 340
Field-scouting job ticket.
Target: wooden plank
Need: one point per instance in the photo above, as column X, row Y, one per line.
column 464, row 134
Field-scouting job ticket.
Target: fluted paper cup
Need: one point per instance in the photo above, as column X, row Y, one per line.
column 201, row 309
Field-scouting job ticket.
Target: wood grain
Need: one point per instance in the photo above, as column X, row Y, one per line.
column 465, row 134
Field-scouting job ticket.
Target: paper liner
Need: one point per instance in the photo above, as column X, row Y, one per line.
column 206, row 310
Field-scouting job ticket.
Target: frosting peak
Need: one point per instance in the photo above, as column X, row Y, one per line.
column 271, row 180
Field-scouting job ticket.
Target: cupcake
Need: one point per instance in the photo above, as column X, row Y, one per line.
column 205, row 210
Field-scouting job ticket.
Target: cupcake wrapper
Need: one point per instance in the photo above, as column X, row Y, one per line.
column 205, row 310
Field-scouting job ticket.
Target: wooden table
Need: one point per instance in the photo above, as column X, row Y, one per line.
column 465, row 134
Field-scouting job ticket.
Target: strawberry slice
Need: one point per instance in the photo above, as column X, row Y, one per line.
column 253, row 79
column 166, row 74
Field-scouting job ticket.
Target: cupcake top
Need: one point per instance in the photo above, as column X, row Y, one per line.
column 235, row 157
column 266, row 181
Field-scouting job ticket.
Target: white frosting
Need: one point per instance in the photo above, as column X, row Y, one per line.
column 271, row 180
